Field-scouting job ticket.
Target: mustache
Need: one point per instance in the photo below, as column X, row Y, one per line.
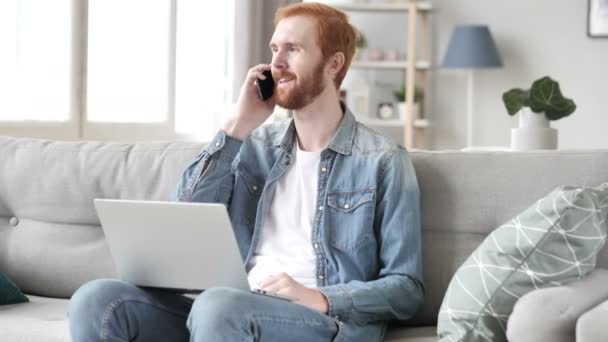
column 283, row 74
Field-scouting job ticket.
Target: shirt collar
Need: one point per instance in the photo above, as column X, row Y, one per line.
column 342, row 141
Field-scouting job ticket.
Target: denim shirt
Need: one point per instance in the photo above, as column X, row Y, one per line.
column 366, row 229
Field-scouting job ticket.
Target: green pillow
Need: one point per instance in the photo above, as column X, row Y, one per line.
column 552, row 242
column 9, row 292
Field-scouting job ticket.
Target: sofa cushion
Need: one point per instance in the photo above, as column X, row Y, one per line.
column 9, row 292
column 50, row 238
column 42, row 319
column 552, row 242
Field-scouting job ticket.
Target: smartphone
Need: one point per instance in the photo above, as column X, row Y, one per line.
column 266, row 87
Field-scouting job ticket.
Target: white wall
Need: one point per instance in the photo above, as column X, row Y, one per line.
column 535, row 38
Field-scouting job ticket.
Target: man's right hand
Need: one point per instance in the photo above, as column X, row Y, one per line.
column 250, row 111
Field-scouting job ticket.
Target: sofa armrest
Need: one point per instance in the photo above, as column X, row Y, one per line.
column 551, row 314
column 592, row 326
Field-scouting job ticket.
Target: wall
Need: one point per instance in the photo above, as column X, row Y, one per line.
column 535, row 38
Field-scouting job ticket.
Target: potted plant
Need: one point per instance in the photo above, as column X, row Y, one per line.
column 360, row 45
column 400, row 96
column 536, row 106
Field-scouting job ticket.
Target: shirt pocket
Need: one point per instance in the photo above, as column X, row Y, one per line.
column 350, row 218
column 245, row 195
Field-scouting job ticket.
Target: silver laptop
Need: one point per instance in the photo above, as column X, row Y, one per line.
column 182, row 247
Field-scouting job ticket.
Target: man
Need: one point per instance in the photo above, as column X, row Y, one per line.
column 324, row 210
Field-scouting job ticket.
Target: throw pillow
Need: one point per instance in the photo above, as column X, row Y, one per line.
column 9, row 292
column 552, row 242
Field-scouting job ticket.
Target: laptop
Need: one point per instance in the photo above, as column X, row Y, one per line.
column 176, row 246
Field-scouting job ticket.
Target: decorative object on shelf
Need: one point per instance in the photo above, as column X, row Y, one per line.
column 358, row 97
column 536, row 106
column 471, row 47
column 375, row 54
column 402, row 105
column 386, row 111
column 597, row 19
column 360, row 45
column 391, row 54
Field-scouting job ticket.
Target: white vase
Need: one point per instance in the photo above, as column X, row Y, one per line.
column 402, row 107
column 534, row 132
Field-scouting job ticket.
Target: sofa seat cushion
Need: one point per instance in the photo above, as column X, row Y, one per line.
column 407, row 334
column 41, row 319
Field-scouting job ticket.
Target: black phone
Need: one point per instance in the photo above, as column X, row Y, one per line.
column 266, row 87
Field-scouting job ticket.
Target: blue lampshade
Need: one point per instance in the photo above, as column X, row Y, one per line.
column 471, row 46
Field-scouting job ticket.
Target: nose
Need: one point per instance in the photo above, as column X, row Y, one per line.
column 279, row 61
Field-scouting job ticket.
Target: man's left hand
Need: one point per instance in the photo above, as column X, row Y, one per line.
column 285, row 285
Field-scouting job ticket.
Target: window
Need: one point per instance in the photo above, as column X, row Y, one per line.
column 202, row 71
column 114, row 69
column 35, row 60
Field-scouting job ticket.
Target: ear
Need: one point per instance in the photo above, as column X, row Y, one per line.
column 335, row 63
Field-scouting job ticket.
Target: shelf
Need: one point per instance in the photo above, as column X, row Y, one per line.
column 418, row 123
column 422, row 65
column 422, row 6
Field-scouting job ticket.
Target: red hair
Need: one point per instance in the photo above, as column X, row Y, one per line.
column 334, row 32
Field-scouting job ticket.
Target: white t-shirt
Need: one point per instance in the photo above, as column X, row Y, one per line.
column 285, row 244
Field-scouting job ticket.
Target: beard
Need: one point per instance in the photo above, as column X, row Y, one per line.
column 303, row 90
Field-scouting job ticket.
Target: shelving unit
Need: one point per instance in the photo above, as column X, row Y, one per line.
column 415, row 68
column 389, row 65
column 418, row 123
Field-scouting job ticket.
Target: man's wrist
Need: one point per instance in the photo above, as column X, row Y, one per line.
column 233, row 130
column 324, row 303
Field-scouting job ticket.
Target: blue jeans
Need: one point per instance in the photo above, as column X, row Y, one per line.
column 111, row 310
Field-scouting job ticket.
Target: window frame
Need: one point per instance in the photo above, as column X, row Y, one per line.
column 78, row 127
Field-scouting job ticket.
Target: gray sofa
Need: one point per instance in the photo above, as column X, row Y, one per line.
column 51, row 242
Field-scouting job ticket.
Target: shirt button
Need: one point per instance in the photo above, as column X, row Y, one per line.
column 316, row 246
column 321, row 208
column 346, row 206
column 324, row 169
column 321, row 277
column 217, row 143
column 255, row 188
column 13, row 221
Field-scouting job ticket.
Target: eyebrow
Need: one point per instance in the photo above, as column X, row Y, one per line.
column 288, row 44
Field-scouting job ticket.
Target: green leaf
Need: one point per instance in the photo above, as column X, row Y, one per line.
column 546, row 96
column 401, row 94
column 514, row 100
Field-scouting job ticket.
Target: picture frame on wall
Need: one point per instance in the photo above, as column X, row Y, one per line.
column 597, row 19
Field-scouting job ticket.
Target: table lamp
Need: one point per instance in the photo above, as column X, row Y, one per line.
column 471, row 47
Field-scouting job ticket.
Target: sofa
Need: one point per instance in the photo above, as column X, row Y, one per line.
column 51, row 241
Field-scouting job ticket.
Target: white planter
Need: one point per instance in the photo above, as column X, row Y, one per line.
column 402, row 107
column 534, row 132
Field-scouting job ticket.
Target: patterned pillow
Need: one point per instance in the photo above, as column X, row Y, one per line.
column 9, row 292
column 552, row 242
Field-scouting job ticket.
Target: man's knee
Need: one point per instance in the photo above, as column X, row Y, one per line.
column 216, row 307
column 542, row 315
column 90, row 302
